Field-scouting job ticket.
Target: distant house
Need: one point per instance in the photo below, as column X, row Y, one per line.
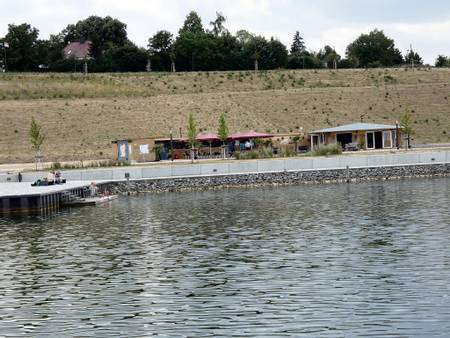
column 366, row 135
column 78, row 50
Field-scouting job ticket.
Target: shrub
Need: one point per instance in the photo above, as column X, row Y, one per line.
column 390, row 79
column 330, row 149
column 56, row 166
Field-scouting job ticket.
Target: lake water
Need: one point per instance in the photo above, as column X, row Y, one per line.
column 356, row 260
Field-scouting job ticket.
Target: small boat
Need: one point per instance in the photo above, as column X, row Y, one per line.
column 90, row 201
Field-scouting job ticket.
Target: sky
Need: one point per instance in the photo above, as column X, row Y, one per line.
column 423, row 24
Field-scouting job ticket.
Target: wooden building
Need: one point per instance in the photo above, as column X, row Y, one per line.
column 138, row 150
column 364, row 136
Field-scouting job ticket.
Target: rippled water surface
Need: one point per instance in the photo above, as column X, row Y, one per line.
column 356, row 260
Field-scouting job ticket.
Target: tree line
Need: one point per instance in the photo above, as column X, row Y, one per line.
column 194, row 48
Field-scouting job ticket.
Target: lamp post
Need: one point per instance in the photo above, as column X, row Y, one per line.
column 396, row 135
column 171, row 145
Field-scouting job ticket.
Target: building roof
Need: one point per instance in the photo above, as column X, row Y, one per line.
column 356, row 127
column 249, row 135
column 77, row 50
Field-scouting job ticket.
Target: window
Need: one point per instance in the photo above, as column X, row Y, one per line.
column 394, row 138
column 387, row 139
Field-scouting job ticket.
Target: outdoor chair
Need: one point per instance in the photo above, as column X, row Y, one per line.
column 351, row 147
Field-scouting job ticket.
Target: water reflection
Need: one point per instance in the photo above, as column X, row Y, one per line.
column 315, row 261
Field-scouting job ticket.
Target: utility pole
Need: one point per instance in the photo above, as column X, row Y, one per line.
column 334, row 58
column 5, row 45
column 171, row 145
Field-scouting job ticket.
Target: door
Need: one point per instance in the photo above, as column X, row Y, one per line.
column 370, row 140
column 123, row 150
column 314, row 142
column 378, row 140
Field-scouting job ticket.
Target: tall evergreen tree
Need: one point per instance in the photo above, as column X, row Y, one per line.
column 192, row 24
column 414, row 58
column 298, row 45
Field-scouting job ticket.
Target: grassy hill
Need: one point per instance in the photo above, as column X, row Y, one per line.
column 82, row 114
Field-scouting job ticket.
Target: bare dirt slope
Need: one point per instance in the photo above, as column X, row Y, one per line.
column 82, row 114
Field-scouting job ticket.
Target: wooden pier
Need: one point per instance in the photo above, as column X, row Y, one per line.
column 22, row 198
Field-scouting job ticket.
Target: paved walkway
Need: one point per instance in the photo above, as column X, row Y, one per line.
column 25, row 188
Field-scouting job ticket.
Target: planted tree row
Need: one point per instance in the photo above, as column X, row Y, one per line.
column 194, row 48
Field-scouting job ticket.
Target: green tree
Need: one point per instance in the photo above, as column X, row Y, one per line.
column 298, row 45
column 55, row 45
column 161, row 42
column 329, row 57
column 192, row 135
column 268, row 54
column 413, row 58
column 243, row 36
column 373, row 50
column 37, row 138
column 304, row 61
column 223, row 132
column 218, row 28
column 442, row 61
column 160, row 48
column 192, row 24
column 104, row 33
column 23, row 47
column 346, row 64
column 407, row 126
column 196, row 51
column 126, row 58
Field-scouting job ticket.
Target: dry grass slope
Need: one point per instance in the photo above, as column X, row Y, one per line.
column 82, row 114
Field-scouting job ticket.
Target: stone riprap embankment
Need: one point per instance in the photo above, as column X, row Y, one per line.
column 277, row 178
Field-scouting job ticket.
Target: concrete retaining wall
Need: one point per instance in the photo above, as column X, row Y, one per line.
column 253, row 166
column 279, row 178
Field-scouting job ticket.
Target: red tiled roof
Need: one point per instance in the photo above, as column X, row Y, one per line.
column 77, row 50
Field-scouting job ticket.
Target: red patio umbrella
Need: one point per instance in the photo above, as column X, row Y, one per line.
column 207, row 137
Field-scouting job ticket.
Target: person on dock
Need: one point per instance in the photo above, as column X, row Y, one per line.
column 93, row 189
column 51, row 178
column 58, row 177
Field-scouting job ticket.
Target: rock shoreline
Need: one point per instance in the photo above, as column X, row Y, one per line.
column 286, row 178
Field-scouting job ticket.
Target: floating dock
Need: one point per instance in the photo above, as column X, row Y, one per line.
column 89, row 201
column 22, row 198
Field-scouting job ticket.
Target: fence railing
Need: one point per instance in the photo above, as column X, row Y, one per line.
column 251, row 166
